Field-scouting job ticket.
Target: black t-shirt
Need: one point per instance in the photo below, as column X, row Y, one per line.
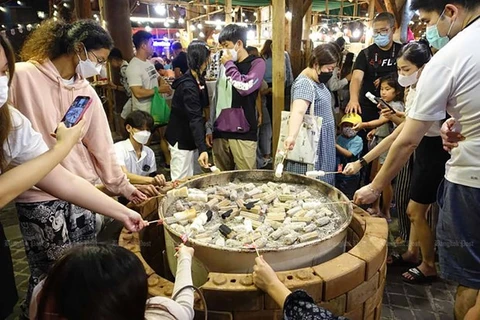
column 181, row 62
column 375, row 63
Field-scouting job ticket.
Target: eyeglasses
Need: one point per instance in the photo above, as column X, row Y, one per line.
column 100, row 62
column 382, row 32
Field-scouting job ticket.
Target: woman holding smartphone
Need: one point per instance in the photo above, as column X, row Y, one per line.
column 60, row 56
column 33, row 164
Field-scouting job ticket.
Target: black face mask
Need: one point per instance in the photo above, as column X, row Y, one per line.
column 324, row 77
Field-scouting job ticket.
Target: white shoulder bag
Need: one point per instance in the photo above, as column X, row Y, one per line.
column 305, row 150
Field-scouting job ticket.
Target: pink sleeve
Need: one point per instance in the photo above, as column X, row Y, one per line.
column 99, row 143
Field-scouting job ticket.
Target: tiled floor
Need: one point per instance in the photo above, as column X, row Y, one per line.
column 401, row 301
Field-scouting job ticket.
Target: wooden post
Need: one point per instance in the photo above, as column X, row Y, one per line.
column 296, row 27
column 278, row 74
column 307, row 24
column 83, row 9
column 228, row 11
column 187, row 22
column 259, row 26
column 371, row 13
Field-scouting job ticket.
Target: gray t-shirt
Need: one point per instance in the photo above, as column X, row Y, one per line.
column 141, row 74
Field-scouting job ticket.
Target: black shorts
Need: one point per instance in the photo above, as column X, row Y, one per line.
column 428, row 170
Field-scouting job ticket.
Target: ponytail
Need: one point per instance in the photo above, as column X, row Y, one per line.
column 197, row 54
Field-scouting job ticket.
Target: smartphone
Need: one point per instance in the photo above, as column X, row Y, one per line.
column 380, row 101
column 76, row 111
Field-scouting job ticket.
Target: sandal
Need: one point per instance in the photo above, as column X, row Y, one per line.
column 398, row 261
column 418, row 277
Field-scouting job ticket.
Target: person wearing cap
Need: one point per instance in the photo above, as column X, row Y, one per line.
column 179, row 64
column 349, row 146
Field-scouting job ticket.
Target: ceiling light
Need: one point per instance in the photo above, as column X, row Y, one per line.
column 181, row 20
column 148, row 29
column 161, row 9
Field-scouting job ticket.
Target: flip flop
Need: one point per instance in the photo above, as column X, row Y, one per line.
column 418, row 277
column 398, row 261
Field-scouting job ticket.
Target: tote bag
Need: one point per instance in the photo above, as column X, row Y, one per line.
column 305, row 150
column 159, row 109
column 223, row 92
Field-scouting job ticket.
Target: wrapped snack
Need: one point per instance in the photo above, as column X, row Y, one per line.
column 212, row 204
column 308, row 236
column 233, row 243
column 304, row 195
column 269, row 197
column 256, row 224
column 267, row 189
column 272, row 185
column 287, row 220
column 261, row 242
column 179, row 193
column 249, row 215
column 259, row 196
column 169, row 220
column 300, row 213
column 224, row 203
column 289, row 239
column 301, row 219
column 297, row 226
column 275, row 224
column 310, row 213
column 292, row 211
column 310, row 228
column 310, row 205
column 253, row 192
column 211, row 190
column 286, row 197
column 249, row 186
column 286, row 190
column 185, row 215
column 226, row 231
column 233, row 195
column 275, row 235
column 322, row 221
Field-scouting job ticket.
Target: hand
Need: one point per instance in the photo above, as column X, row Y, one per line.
column 376, row 83
column 159, row 180
column 353, row 107
column 203, row 159
column 349, row 77
column 359, row 126
column 226, row 56
column 209, row 140
column 371, row 134
column 137, row 197
column 148, row 189
column 259, row 120
column 165, row 89
column 450, row 138
column 366, row 195
column 69, row 136
column 263, row 275
column 352, row 168
column 289, row 143
column 387, row 114
column 184, row 250
column 133, row 221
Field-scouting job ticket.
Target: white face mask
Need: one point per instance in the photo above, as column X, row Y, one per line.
column 407, row 81
column 103, row 72
column 87, row 68
column 3, row 90
column 142, row 136
column 233, row 53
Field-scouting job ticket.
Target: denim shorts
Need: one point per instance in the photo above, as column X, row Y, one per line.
column 458, row 235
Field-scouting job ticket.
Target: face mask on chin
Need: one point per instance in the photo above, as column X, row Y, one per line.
column 3, row 90
column 142, row 136
column 86, row 68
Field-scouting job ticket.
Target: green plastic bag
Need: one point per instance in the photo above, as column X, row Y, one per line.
column 159, row 109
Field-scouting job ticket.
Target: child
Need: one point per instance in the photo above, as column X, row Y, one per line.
column 136, row 159
column 349, row 146
column 391, row 93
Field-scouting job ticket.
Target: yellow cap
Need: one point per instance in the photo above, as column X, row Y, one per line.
column 352, row 118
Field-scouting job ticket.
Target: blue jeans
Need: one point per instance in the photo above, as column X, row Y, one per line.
column 457, row 233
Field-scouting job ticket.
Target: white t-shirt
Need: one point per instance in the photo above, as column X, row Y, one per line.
column 451, row 83
column 141, row 74
column 23, row 143
column 434, row 130
column 127, row 157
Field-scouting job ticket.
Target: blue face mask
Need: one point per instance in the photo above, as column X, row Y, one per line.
column 434, row 38
column 382, row 40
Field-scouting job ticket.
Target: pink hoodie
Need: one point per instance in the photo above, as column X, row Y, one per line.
column 39, row 92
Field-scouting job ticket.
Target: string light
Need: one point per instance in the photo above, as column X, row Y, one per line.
column 177, row 34
column 161, row 9
column 192, row 27
column 356, row 33
column 181, row 20
column 20, row 3
column 166, row 24
column 41, row 14
column 66, row 5
column 201, row 35
column 148, row 29
column 199, row 26
column 288, row 15
column 250, row 35
column 3, row 9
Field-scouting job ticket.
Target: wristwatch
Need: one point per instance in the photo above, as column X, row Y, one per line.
column 363, row 162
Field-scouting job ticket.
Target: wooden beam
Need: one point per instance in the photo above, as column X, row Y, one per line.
column 378, row 6
column 83, row 9
column 278, row 74
column 296, row 27
column 371, row 13
column 392, row 8
column 228, row 11
column 307, row 24
column 307, row 4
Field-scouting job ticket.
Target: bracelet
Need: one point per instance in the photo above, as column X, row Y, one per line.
column 363, row 162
